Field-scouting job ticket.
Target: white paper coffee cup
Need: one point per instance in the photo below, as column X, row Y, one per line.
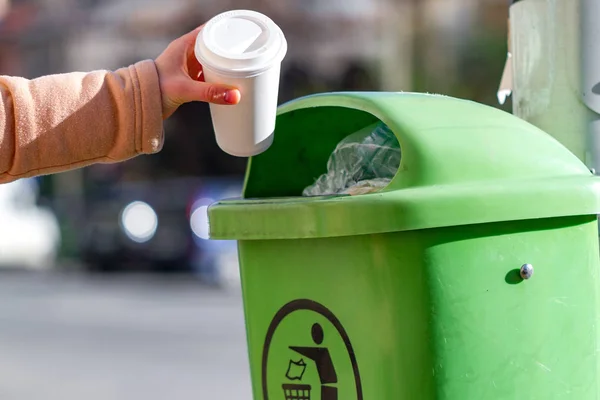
column 243, row 49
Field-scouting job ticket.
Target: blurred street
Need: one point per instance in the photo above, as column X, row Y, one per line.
column 69, row 337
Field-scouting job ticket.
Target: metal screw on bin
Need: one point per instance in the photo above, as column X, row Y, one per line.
column 526, row 271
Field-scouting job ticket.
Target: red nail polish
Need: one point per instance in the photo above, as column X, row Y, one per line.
column 231, row 97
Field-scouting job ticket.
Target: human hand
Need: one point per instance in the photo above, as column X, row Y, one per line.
column 181, row 78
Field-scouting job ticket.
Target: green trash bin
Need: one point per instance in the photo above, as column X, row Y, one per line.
column 414, row 292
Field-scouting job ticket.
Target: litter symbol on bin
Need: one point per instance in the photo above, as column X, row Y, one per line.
column 311, row 346
column 323, row 362
column 296, row 392
column 296, row 370
column 293, row 391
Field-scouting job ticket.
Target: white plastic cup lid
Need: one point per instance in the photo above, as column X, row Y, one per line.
column 240, row 42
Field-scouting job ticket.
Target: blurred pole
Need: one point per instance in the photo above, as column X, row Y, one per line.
column 547, row 62
column 419, row 38
column 69, row 186
column 397, row 45
column 590, row 29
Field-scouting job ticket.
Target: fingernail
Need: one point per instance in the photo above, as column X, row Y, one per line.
column 232, row 96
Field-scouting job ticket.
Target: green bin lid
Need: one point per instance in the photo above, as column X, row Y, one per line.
column 462, row 163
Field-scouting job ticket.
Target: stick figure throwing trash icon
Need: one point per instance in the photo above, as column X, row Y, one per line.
column 308, row 353
column 322, row 360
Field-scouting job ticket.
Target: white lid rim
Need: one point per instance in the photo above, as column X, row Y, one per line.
column 209, row 58
column 248, row 71
column 241, row 73
column 276, row 58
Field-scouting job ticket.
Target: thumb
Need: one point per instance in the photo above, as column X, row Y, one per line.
column 210, row 93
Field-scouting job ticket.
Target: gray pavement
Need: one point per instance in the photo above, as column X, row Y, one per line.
column 78, row 338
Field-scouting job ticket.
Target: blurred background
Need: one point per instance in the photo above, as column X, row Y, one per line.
column 109, row 288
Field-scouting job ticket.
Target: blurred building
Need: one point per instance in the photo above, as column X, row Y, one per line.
column 324, row 36
column 328, row 38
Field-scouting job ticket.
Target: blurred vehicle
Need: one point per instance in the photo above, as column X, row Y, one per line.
column 215, row 261
column 160, row 226
column 139, row 226
column 30, row 235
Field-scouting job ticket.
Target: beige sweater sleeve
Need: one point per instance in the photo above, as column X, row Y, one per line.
column 61, row 122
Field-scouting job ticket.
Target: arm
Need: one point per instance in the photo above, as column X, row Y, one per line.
column 61, row 122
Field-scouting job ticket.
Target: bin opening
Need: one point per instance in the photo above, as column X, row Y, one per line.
column 364, row 162
column 462, row 164
column 304, row 142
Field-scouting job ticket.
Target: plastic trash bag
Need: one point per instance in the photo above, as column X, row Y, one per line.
column 364, row 162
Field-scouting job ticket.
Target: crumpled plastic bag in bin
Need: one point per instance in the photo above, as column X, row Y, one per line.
column 364, row 162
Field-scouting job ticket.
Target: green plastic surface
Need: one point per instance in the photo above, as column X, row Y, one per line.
column 462, row 163
column 414, row 293
column 436, row 314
